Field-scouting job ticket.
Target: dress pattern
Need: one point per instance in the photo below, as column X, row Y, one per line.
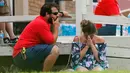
column 88, row 61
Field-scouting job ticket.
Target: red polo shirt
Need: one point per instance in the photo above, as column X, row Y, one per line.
column 106, row 8
column 36, row 32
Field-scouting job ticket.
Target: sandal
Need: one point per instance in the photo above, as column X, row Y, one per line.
column 14, row 40
column 6, row 40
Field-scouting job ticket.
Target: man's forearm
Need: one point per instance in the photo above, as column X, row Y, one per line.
column 55, row 34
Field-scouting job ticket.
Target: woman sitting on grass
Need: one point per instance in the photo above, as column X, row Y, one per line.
column 88, row 50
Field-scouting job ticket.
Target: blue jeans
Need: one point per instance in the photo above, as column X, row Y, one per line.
column 35, row 57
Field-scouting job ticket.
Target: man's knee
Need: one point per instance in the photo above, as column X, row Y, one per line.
column 55, row 50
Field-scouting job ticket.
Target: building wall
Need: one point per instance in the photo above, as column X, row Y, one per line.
column 18, row 7
column 34, row 6
column 28, row 7
column 68, row 6
column 124, row 5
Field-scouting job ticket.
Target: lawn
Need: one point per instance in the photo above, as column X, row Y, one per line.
column 84, row 72
column 94, row 72
column 16, row 70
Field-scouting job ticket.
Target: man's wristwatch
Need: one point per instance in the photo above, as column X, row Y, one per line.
column 62, row 14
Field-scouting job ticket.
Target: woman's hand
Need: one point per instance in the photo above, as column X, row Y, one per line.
column 89, row 41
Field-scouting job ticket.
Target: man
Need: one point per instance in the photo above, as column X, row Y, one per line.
column 107, row 8
column 36, row 49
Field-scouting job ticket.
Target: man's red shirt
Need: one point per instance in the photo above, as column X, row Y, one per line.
column 36, row 32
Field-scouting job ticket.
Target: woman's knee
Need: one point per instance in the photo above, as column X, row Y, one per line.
column 55, row 50
column 97, row 68
column 82, row 69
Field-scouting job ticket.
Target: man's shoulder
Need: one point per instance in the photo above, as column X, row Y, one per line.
column 40, row 21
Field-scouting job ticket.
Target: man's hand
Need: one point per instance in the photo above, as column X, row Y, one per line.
column 56, row 22
column 56, row 25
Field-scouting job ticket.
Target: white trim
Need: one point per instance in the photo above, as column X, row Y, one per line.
column 24, row 18
column 78, row 16
column 25, row 7
column 89, row 7
column 118, row 20
column 125, row 10
column 84, row 3
column 11, row 7
column 120, row 49
column 16, row 18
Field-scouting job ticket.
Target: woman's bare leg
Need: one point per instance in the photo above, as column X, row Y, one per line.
column 82, row 69
column 2, row 27
column 97, row 68
column 9, row 29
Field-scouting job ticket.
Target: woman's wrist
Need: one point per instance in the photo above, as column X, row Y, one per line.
column 86, row 47
column 92, row 45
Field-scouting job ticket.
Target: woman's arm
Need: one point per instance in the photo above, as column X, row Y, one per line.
column 97, row 39
column 95, row 52
column 83, row 52
column 99, row 54
column 77, row 53
column 76, row 50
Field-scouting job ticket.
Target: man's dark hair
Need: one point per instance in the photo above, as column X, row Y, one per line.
column 88, row 27
column 46, row 8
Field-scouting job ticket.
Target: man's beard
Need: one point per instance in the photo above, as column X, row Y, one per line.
column 51, row 24
column 50, row 20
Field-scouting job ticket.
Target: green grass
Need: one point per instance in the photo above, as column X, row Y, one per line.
column 84, row 72
column 14, row 69
column 94, row 72
column 107, row 71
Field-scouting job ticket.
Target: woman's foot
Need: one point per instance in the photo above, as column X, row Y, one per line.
column 14, row 40
column 11, row 42
column 6, row 40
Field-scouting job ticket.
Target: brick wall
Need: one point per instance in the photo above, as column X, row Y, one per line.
column 68, row 6
column 34, row 6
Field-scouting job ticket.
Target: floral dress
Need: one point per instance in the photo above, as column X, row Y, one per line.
column 88, row 61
